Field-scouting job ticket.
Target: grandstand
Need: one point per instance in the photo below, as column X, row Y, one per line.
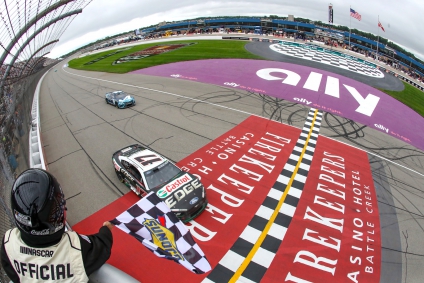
column 268, row 26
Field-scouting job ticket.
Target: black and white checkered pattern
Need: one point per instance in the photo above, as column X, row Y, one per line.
column 151, row 207
column 263, row 257
column 335, row 60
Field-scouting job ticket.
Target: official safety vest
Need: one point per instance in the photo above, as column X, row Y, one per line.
column 59, row 263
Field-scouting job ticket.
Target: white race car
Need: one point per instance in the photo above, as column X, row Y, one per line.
column 143, row 170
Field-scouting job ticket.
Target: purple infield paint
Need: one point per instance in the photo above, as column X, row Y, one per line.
column 315, row 88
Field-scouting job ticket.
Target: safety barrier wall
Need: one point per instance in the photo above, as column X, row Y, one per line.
column 15, row 128
column 403, row 78
column 36, row 156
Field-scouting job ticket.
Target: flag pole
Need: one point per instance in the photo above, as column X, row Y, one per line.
column 378, row 37
column 350, row 25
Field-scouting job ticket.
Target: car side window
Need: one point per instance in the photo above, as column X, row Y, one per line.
column 134, row 172
column 125, row 163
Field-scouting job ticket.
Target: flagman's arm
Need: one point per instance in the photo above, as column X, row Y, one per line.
column 96, row 248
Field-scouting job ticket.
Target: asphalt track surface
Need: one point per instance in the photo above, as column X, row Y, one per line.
column 80, row 132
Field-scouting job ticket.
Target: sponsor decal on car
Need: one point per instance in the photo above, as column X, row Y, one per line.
column 127, row 174
column 194, row 200
column 117, row 167
column 174, row 185
column 149, row 159
column 172, row 200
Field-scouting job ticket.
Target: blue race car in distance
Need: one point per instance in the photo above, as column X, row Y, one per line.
column 120, row 99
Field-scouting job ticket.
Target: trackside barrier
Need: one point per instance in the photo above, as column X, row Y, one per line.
column 235, row 37
column 36, row 157
column 107, row 273
column 405, row 79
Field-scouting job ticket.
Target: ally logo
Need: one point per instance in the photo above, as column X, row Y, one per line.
column 366, row 106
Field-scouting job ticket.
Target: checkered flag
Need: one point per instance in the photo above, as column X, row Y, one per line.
column 152, row 223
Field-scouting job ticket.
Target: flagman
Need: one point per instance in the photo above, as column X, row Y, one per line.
column 40, row 249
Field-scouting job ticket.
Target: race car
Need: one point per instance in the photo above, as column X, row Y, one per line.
column 119, row 99
column 144, row 170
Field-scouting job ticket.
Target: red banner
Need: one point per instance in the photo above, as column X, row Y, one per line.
column 238, row 170
column 335, row 233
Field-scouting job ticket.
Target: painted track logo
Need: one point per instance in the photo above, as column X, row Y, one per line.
column 151, row 51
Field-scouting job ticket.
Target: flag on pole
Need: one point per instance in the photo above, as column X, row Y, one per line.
column 381, row 26
column 355, row 14
column 152, row 223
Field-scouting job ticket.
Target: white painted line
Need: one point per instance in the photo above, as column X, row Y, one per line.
column 250, row 234
column 263, row 257
column 277, row 231
column 264, row 212
column 275, row 194
column 287, row 209
column 232, row 261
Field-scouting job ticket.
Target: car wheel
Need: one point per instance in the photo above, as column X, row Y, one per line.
column 120, row 176
column 116, row 104
column 106, row 101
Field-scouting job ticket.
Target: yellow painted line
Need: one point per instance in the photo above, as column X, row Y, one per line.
column 261, row 238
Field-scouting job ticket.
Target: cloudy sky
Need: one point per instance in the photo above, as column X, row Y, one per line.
column 403, row 20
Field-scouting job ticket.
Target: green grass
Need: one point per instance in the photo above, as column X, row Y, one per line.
column 208, row 49
column 202, row 49
column 410, row 96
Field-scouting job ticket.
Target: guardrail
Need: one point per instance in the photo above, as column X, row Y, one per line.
column 405, row 79
column 36, row 156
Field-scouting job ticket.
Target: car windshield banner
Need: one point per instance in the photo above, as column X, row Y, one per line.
column 152, row 223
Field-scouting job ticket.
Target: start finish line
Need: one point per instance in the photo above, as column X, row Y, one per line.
column 333, row 233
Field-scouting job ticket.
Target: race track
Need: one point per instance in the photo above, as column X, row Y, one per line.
column 177, row 118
